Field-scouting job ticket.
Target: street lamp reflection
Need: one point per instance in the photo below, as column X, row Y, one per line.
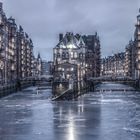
column 71, row 127
column 71, row 130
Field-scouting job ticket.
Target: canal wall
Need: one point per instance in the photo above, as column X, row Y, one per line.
column 137, row 84
column 93, row 85
column 14, row 87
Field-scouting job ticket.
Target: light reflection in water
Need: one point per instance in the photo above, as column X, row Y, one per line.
column 71, row 126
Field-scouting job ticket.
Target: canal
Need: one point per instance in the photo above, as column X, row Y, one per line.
column 94, row 116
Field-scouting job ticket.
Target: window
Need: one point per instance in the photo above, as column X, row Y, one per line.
column 75, row 55
column 0, row 19
column 58, row 55
column 71, row 54
column 67, row 55
column 139, row 37
column 63, row 55
column 138, row 44
column 138, row 31
column 80, row 55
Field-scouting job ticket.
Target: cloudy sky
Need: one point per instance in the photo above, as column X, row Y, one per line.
column 43, row 20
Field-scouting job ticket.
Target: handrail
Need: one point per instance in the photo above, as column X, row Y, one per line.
column 60, row 94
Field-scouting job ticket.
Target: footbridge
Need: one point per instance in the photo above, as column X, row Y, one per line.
column 112, row 79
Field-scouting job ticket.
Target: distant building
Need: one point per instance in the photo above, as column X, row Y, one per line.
column 37, row 66
column 113, row 65
column 46, row 67
column 51, row 67
column 130, row 59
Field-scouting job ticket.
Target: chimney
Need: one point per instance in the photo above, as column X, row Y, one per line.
column 60, row 37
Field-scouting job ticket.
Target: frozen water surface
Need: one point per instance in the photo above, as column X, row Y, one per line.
column 94, row 116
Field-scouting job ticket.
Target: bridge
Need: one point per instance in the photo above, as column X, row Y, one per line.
column 111, row 79
column 45, row 83
column 69, row 94
column 93, row 81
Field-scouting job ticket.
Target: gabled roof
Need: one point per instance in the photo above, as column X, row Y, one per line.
column 70, row 41
column 81, row 42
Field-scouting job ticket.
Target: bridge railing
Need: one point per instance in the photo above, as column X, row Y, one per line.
column 108, row 78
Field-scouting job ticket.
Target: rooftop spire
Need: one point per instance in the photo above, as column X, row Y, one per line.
column 38, row 55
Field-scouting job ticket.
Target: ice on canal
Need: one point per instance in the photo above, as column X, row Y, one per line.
column 94, row 116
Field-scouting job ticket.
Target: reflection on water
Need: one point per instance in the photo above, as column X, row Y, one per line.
column 99, row 116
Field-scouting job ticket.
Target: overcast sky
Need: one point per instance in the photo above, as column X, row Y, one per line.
column 43, row 20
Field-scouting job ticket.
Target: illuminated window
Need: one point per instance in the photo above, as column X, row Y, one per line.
column 71, row 46
column 75, row 55
column 71, row 54
column 0, row 19
column 138, row 44
column 80, row 55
